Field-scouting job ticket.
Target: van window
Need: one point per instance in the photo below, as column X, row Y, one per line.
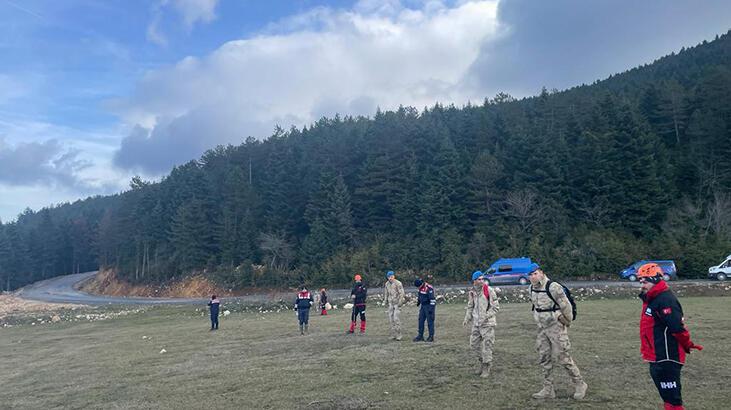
column 505, row 268
column 726, row 264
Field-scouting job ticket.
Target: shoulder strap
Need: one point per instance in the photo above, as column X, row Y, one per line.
column 486, row 292
column 548, row 292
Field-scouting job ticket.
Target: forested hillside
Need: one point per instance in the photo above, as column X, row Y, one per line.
column 584, row 181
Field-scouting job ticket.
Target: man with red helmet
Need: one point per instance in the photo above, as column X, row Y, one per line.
column 358, row 295
column 663, row 336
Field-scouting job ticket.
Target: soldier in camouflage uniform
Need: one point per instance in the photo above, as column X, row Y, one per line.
column 482, row 307
column 393, row 298
column 553, row 343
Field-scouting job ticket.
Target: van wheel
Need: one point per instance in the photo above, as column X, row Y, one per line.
column 721, row 276
column 523, row 281
column 666, row 277
column 632, row 278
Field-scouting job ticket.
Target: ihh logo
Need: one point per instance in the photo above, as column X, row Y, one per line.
column 668, row 385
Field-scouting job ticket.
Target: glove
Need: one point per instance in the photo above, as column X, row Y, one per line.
column 684, row 341
column 418, row 303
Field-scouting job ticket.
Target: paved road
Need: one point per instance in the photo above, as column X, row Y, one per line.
column 61, row 290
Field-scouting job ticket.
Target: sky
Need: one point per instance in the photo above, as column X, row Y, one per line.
column 93, row 92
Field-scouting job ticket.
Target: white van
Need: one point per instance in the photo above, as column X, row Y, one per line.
column 722, row 271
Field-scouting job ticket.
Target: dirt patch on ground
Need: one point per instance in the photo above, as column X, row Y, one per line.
column 196, row 286
column 13, row 305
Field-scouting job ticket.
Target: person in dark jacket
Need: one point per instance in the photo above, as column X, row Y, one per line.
column 302, row 306
column 427, row 305
column 664, row 338
column 358, row 295
column 323, row 302
column 214, row 305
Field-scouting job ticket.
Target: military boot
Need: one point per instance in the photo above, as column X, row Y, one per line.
column 307, row 328
column 485, row 370
column 302, row 329
column 545, row 393
column 580, row 390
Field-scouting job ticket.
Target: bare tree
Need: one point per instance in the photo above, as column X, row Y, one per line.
column 596, row 213
column 718, row 217
column 278, row 250
column 525, row 207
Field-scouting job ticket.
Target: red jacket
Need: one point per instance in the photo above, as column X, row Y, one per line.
column 663, row 334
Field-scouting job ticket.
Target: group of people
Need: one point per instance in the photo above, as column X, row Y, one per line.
column 665, row 340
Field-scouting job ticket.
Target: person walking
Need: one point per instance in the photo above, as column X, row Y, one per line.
column 214, row 304
column 323, row 302
column 553, row 314
column 302, row 306
column 427, row 306
column 358, row 294
column 664, row 338
column 482, row 308
column 393, row 298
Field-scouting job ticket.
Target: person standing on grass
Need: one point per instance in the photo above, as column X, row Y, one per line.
column 323, row 302
column 664, row 338
column 553, row 315
column 482, row 307
column 302, row 306
column 358, row 295
column 214, row 304
column 393, row 298
column 427, row 303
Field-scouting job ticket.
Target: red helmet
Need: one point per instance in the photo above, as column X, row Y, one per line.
column 357, row 278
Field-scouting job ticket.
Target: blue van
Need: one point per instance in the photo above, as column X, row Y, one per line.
column 509, row 270
column 668, row 270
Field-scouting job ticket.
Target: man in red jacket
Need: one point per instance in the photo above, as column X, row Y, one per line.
column 664, row 338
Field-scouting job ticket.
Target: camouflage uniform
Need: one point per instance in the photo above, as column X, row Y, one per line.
column 481, row 313
column 393, row 297
column 553, row 343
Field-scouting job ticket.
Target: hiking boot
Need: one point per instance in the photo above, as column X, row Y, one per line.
column 545, row 393
column 418, row 339
column 302, row 330
column 307, row 328
column 430, row 339
column 485, row 370
column 580, row 390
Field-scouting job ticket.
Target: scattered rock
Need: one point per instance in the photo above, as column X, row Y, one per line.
column 56, row 319
column 226, row 312
column 348, row 306
column 163, row 351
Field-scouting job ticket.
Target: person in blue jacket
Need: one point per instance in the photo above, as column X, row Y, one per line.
column 427, row 305
column 302, row 306
column 215, row 305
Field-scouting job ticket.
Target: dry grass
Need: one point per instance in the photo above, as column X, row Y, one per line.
column 260, row 361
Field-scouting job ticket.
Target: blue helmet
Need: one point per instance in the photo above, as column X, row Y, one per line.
column 389, row 274
column 476, row 275
column 533, row 267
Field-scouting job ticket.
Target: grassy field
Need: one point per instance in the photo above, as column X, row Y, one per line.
column 258, row 360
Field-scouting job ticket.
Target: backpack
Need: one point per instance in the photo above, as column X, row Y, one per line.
column 566, row 291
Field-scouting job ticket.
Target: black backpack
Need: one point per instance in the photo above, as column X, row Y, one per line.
column 555, row 304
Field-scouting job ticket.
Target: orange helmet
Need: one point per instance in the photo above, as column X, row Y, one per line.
column 649, row 270
column 357, row 278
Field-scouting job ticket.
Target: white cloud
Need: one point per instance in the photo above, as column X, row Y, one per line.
column 314, row 64
column 194, row 11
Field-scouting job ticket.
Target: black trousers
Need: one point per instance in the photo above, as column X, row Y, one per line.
column 426, row 313
column 666, row 376
column 214, row 321
column 358, row 310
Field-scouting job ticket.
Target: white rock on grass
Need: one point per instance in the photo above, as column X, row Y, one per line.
column 226, row 312
column 348, row 306
column 163, row 351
